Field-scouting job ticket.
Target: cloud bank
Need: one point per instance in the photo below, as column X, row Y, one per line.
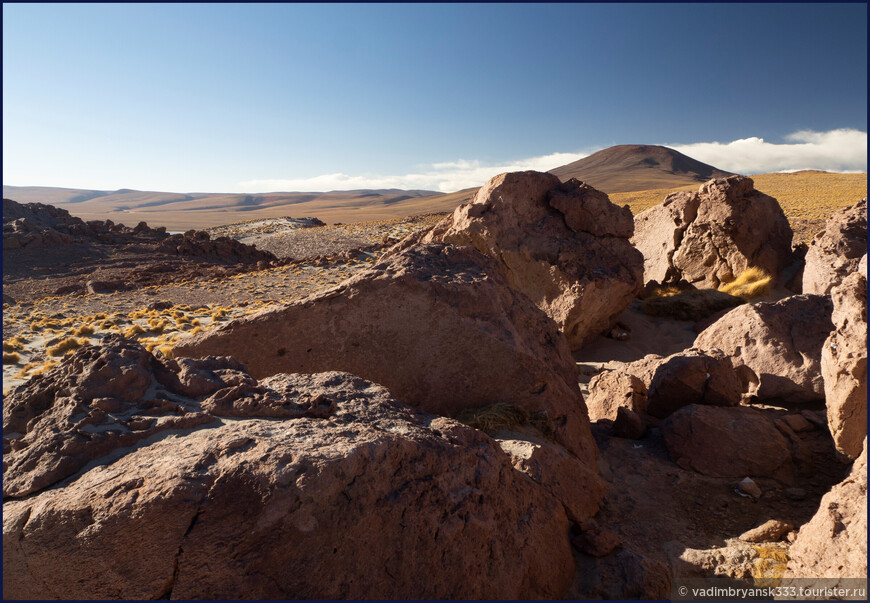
column 842, row 150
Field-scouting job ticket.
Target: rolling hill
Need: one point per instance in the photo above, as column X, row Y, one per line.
column 631, row 167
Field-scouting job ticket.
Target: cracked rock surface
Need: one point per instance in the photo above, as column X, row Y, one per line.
column 564, row 245
column 307, row 486
column 709, row 237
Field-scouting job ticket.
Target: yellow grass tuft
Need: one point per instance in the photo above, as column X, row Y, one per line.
column 84, row 330
column 11, row 358
column 65, row 346
column 134, row 331
column 752, row 283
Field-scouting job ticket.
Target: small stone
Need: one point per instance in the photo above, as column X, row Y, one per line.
column 748, row 486
column 770, row 531
column 795, row 493
column 791, row 536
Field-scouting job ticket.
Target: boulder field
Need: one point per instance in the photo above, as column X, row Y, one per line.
column 421, row 429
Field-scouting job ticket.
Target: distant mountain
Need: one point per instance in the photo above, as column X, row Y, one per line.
column 634, row 167
column 182, row 211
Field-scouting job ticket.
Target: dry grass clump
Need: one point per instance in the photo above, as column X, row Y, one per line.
column 134, row 331
column 770, row 565
column 84, row 330
column 65, row 346
column 752, row 283
column 665, row 291
column 694, row 304
column 11, row 358
column 495, row 417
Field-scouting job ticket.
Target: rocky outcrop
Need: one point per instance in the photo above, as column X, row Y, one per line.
column 728, row 442
column 836, row 251
column 564, row 245
column 199, row 243
column 437, row 325
column 33, row 225
column 781, row 342
column 833, row 544
column 844, row 366
column 327, row 475
column 708, row 238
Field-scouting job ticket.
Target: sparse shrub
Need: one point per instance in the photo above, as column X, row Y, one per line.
column 502, row 415
column 750, row 284
column 84, row 330
column 11, row 358
column 134, row 331
column 65, row 346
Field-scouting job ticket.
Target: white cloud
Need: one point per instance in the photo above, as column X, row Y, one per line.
column 446, row 177
column 843, row 150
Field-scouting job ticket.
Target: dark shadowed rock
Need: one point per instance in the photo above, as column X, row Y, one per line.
column 781, row 342
column 693, row 377
column 708, row 238
column 833, row 544
column 844, row 366
column 564, row 245
column 836, row 251
column 728, row 442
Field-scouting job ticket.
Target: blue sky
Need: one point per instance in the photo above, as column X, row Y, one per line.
column 241, row 97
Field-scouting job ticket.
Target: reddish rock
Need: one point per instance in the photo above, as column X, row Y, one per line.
column 356, row 506
column 728, row 442
column 692, row 377
column 833, row 544
column 437, row 325
column 770, row 531
column 571, row 482
column 611, row 390
column 844, row 366
column 562, row 244
column 836, row 251
column 708, row 238
column 597, row 542
column 781, row 342
column 628, row 424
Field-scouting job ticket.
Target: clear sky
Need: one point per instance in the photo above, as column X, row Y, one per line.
column 258, row 97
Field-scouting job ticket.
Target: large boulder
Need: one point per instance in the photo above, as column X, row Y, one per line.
column 844, row 366
column 565, row 245
column 781, row 342
column 836, row 251
column 437, row 325
column 320, row 487
column 833, row 544
column 728, row 442
column 692, row 377
column 708, row 238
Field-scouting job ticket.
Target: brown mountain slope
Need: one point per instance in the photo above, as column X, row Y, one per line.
column 632, row 167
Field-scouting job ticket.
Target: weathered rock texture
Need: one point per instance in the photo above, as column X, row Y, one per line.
column 708, row 238
column 611, row 390
column 844, row 366
column 565, row 245
column 349, row 494
column 781, row 342
column 728, row 442
column 437, row 325
column 833, row 544
column 693, row 377
column 836, row 251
